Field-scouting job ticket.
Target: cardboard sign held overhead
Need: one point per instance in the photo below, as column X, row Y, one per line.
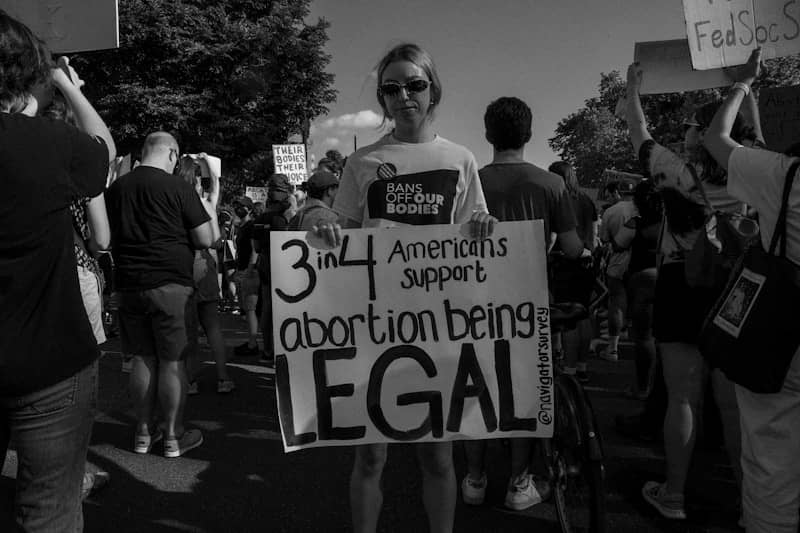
column 69, row 25
column 257, row 194
column 722, row 33
column 414, row 334
column 779, row 108
column 667, row 68
column 290, row 159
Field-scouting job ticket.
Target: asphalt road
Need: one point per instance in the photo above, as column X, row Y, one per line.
column 240, row 480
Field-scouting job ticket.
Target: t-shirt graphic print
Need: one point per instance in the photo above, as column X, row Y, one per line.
column 416, row 199
column 393, row 183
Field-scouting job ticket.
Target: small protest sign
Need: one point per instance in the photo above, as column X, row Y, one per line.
column 69, row 25
column 257, row 194
column 722, row 33
column 290, row 159
column 667, row 68
column 413, row 334
column 779, row 108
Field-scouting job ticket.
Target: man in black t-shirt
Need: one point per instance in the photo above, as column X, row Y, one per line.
column 517, row 190
column 248, row 284
column 273, row 219
column 157, row 220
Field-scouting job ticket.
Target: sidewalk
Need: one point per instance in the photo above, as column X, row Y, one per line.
column 240, row 480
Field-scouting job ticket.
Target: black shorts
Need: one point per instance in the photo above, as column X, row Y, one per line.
column 572, row 280
column 679, row 310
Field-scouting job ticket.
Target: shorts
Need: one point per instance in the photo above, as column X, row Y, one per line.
column 679, row 310
column 572, row 281
column 205, row 277
column 92, row 296
column 153, row 321
column 249, row 286
column 641, row 294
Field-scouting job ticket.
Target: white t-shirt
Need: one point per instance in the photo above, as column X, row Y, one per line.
column 613, row 220
column 757, row 177
column 393, row 183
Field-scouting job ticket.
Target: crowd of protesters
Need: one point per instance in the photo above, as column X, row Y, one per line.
column 179, row 258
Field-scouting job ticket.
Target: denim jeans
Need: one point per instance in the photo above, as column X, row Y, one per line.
column 50, row 431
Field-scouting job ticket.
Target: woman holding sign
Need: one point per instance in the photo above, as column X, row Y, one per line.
column 374, row 192
column 684, row 294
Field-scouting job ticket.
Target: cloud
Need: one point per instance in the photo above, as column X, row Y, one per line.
column 366, row 118
column 330, row 142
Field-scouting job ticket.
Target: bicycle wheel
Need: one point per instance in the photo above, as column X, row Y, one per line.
column 579, row 472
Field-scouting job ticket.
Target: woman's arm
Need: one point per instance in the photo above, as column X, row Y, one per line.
column 97, row 218
column 718, row 139
column 85, row 115
column 637, row 125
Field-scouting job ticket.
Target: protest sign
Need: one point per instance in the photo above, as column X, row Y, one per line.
column 413, row 334
column 290, row 159
column 257, row 194
column 214, row 165
column 779, row 108
column 722, row 33
column 667, row 68
column 69, row 25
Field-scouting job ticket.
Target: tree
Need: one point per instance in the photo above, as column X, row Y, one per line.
column 230, row 77
column 592, row 139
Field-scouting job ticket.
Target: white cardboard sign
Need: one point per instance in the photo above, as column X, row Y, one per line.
column 667, row 68
column 779, row 108
column 257, row 194
column 722, row 33
column 290, row 159
column 69, row 25
column 412, row 334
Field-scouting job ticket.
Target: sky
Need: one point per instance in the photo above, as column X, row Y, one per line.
column 549, row 53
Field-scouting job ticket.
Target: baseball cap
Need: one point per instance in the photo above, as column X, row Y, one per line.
column 245, row 201
column 322, row 179
column 280, row 183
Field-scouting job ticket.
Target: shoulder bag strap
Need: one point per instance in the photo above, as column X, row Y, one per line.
column 779, row 234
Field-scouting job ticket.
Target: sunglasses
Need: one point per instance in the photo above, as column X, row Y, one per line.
column 393, row 88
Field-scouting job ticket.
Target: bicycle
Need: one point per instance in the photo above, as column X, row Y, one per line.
column 574, row 455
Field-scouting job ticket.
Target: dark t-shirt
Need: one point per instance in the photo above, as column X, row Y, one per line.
column 522, row 191
column 45, row 335
column 151, row 213
column 271, row 220
column 244, row 245
column 585, row 216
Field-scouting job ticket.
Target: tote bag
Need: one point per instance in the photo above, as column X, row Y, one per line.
column 753, row 330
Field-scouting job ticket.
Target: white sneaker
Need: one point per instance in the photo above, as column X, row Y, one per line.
column 524, row 493
column 473, row 492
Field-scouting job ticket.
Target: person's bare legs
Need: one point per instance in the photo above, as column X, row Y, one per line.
column 725, row 396
column 684, row 375
column 520, row 456
column 172, row 387
column 143, row 383
column 209, row 319
column 366, row 497
column 475, row 453
column 438, row 484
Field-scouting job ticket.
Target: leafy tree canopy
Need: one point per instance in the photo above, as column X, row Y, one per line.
column 592, row 139
column 229, row 77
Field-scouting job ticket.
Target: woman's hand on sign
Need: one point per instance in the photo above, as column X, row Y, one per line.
column 481, row 225
column 330, row 232
column 747, row 73
column 635, row 73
